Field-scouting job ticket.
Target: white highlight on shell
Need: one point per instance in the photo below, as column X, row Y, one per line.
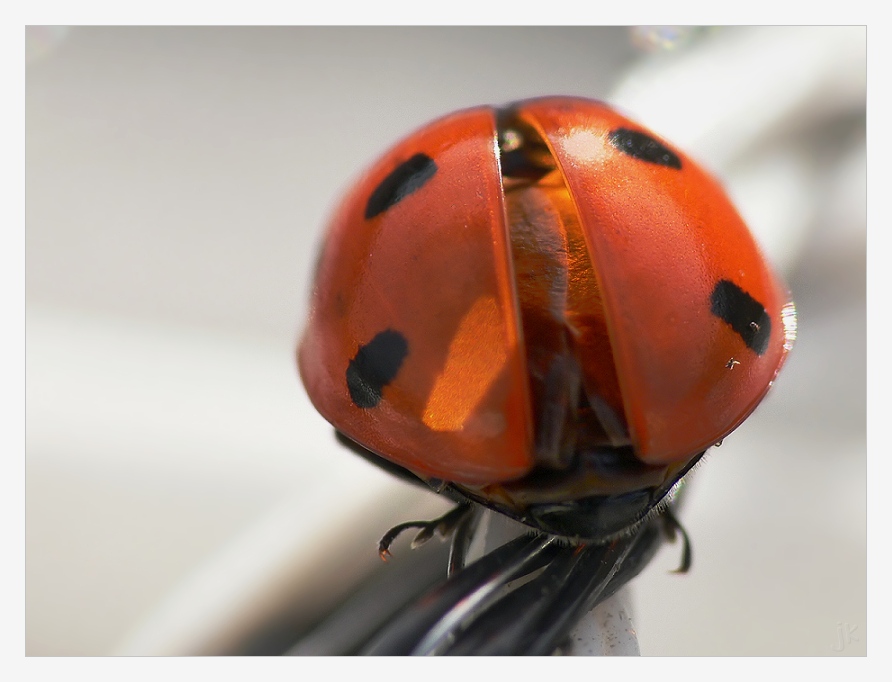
column 788, row 319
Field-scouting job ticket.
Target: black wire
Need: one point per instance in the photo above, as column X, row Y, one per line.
column 537, row 617
column 497, row 631
column 470, row 615
column 578, row 595
column 458, row 597
column 473, row 613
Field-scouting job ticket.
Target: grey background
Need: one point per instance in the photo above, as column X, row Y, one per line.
column 178, row 180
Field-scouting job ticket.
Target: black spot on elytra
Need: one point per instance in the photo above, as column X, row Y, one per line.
column 406, row 178
column 745, row 314
column 375, row 365
column 641, row 146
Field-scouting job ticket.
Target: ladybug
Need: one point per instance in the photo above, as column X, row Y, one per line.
column 543, row 308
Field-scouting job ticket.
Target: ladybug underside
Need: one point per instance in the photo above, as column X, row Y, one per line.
column 543, row 499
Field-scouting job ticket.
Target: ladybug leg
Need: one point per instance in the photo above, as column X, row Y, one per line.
column 461, row 540
column 672, row 528
column 444, row 526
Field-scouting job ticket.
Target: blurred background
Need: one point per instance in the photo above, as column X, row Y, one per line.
column 181, row 491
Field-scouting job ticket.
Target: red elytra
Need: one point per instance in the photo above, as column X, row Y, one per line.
column 507, row 284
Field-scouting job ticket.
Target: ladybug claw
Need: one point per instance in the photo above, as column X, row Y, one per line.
column 390, row 536
column 426, row 533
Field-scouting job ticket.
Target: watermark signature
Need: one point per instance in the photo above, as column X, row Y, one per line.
column 846, row 634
